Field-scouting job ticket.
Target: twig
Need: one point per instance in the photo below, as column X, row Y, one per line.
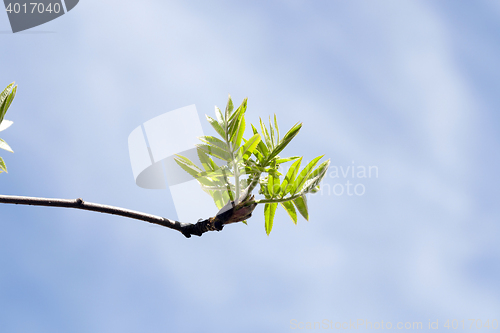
column 187, row 229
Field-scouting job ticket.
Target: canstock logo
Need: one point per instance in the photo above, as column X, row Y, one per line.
column 28, row 14
column 152, row 148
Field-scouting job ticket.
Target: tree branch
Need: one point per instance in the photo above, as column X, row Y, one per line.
column 187, row 229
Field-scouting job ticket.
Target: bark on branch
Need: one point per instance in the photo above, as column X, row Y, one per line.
column 235, row 214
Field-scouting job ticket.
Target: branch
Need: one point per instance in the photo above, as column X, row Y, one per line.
column 187, row 229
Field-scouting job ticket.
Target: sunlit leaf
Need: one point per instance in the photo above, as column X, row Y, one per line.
column 6, row 101
column 215, row 151
column 5, row 146
column 287, row 184
column 220, row 117
column 188, row 166
column 216, row 142
column 266, row 136
column 290, row 209
column 236, row 140
column 248, row 148
column 229, row 107
column 269, row 211
column 271, row 132
column 301, row 204
column 315, row 177
column 277, row 128
column 302, row 177
column 3, row 167
column 287, row 159
column 216, row 126
column 285, row 141
column 262, row 148
column 5, row 124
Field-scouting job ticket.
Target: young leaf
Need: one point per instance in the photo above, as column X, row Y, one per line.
column 215, row 142
column 239, row 133
column 286, row 140
column 3, row 167
column 248, row 148
column 220, row 117
column 277, row 128
column 215, row 151
column 5, row 146
column 262, row 148
column 301, row 204
column 216, row 126
column 6, row 92
column 315, row 177
column 266, row 136
column 271, row 132
column 188, row 166
column 219, row 201
column 6, row 101
column 287, row 159
column 302, row 177
column 207, row 163
column 287, row 185
column 229, row 107
column 5, row 124
column 242, row 108
column 269, row 211
column 290, row 209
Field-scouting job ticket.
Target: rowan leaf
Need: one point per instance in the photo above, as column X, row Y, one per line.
column 290, row 209
column 301, row 204
column 269, row 211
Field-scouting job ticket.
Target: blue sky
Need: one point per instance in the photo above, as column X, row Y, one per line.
column 409, row 87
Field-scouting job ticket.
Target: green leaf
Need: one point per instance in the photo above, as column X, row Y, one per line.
column 215, row 142
column 236, row 127
column 3, row 167
column 5, row 124
column 6, row 92
column 219, row 201
column 248, row 148
column 5, row 146
column 277, row 128
column 220, row 117
column 271, row 132
column 290, row 209
column 315, row 177
column 215, row 124
column 236, row 140
column 207, row 163
column 215, row 151
column 269, row 211
column 229, row 107
column 286, row 140
column 6, row 98
column 188, row 166
column 262, row 148
column 241, row 108
column 270, row 185
column 302, row 177
column 287, row 159
column 287, row 184
column 266, row 136
column 301, row 204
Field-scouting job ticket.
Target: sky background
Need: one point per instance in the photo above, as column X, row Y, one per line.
column 410, row 87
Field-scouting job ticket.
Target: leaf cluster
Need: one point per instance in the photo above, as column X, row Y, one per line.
column 232, row 166
column 6, row 98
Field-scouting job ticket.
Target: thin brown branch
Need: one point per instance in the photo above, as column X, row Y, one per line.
column 187, row 229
